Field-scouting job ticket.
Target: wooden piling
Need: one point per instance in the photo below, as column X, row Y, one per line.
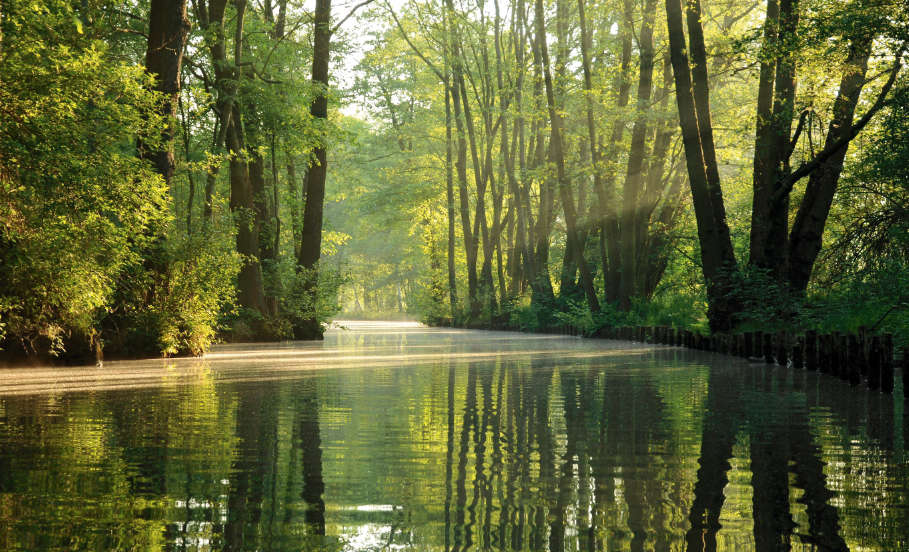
column 853, row 371
column 835, row 354
column 887, row 363
column 811, row 350
column 863, row 349
column 782, row 358
column 671, row 337
column 874, row 363
column 905, row 366
column 798, row 351
column 748, row 340
column 768, row 348
column 843, row 350
column 823, row 356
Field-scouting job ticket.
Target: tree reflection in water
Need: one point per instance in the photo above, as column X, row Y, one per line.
column 505, row 442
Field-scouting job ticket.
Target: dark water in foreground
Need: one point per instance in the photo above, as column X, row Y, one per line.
column 398, row 437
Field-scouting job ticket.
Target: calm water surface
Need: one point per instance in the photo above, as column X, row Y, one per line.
column 389, row 437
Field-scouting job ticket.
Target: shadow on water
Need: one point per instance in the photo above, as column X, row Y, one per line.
column 457, row 441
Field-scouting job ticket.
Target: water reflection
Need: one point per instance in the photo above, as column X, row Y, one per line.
column 407, row 438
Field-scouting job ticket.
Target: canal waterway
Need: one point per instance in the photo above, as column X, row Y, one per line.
column 401, row 437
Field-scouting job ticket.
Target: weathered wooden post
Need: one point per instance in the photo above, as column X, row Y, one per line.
column 798, row 351
column 853, row 371
column 782, row 358
column 671, row 337
column 768, row 348
column 835, row 354
column 823, row 357
column 905, row 365
column 887, row 363
column 697, row 341
column 874, row 363
column 863, row 349
column 811, row 350
column 749, row 345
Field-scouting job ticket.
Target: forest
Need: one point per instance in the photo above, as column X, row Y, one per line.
column 175, row 174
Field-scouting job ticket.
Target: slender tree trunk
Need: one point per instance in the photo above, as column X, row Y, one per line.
column 776, row 225
column 449, row 181
column 763, row 142
column 568, row 206
column 714, row 246
column 701, row 91
column 608, row 224
column 654, row 194
column 294, row 203
column 260, row 205
column 634, row 176
column 311, row 235
column 211, row 18
column 461, row 164
column 276, row 205
column 251, row 295
column 807, row 233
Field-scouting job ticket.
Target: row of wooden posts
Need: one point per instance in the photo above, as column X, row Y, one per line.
column 850, row 356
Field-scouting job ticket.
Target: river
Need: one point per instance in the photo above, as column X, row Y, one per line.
column 394, row 436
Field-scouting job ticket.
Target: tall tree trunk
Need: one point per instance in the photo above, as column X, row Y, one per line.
column 211, row 19
column 654, row 194
column 167, row 30
column 763, row 141
column 772, row 254
column 701, row 91
column 608, row 224
column 311, row 235
column 807, row 233
column 634, row 176
column 461, row 164
column 449, row 181
column 714, row 243
column 251, row 294
column 568, row 206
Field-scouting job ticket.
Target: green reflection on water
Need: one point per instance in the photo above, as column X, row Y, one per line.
column 405, row 438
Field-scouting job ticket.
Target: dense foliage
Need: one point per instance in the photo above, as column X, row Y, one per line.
column 614, row 82
column 176, row 173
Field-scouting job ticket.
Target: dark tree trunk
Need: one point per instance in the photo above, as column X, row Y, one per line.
column 167, row 30
column 716, row 246
column 634, row 176
column 461, row 166
column 449, row 181
column 294, row 204
column 251, row 294
column 266, row 249
column 763, row 142
column 772, row 250
column 558, row 150
column 807, row 233
column 311, row 235
column 211, row 19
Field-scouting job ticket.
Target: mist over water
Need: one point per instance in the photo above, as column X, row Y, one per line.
column 395, row 436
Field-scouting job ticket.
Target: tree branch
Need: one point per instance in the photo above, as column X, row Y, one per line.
column 351, row 12
column 806, row 168
column 411, row 44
